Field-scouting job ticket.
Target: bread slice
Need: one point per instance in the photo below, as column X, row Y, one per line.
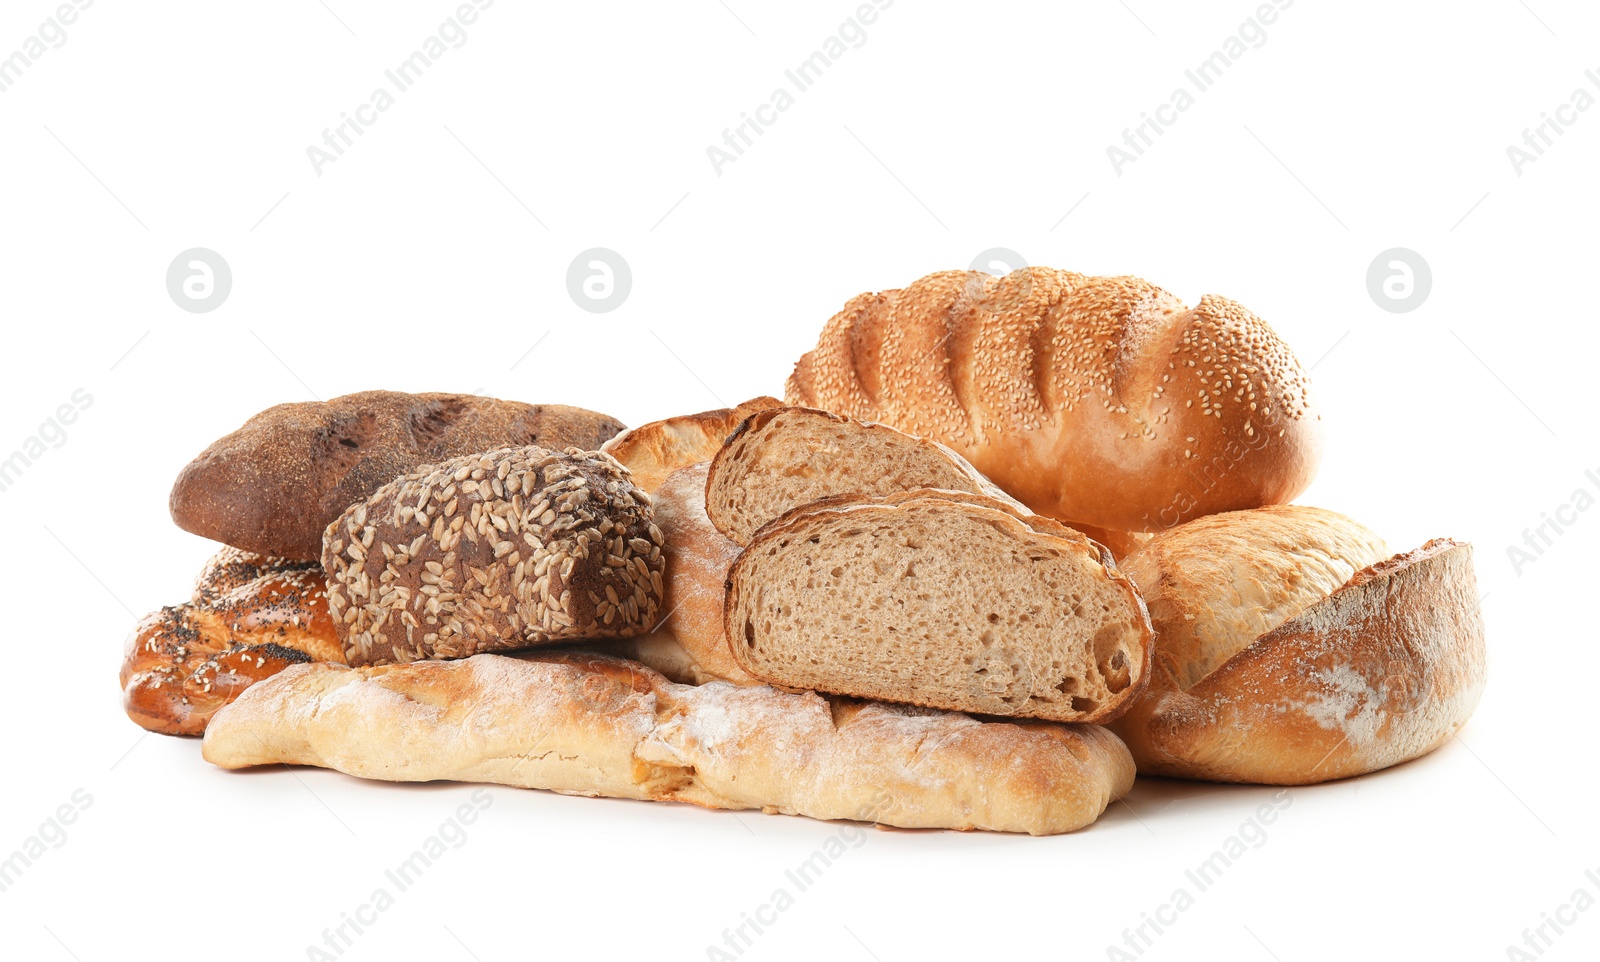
column 782, row 458
column 1291, row 649
column 954, row 601
column 652, row 451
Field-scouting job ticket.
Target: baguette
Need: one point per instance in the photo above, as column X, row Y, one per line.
column 272, row 486
column 1099, row 401
column 584, row 724
column 1291, row 649
column 942, row 599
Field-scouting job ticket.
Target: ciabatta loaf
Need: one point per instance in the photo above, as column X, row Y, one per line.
column 1096, row 400
column 494, row 551
column 652, row 451
column 948, row 600
column 590, row 725
column 1291, row 649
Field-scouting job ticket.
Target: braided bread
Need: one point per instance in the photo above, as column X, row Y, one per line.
column 250, row 618
column 1097, row 400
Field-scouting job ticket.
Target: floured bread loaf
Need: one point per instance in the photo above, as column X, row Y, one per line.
column 494, row 551
column 1291, row 649
column 590, row 725
column 934, row 598
column 698, row 558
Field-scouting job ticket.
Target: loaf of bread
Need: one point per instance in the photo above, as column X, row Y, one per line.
column 494, row 551
column 942, row 599
column 698, row 558
column 1099, row 401
column 250, row 618
column 590, row 725
column 272, row 486
column 652, row 451
column 1291, row 649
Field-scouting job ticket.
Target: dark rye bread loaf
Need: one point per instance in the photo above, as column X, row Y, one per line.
column 272, row 486
column 491, row 552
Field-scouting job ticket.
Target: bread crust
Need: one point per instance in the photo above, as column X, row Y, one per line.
column 1097, row 400
column 655, row 450
column 585, row 724
column 272, row 486
column 698, row 558
column 1384, row 669
column 1031, row 693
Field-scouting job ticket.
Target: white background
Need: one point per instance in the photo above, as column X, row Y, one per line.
column 433, row 254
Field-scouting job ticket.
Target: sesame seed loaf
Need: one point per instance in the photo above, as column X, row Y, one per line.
column 653, row 451
column 494, row 551
column 1099, row 401
column 272, row 486
column 1292, row 649
column 942, row 599
column 585, row 724
column 250, row 618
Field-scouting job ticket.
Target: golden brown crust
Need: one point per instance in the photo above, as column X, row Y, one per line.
column 1384, row 669
column 590, row 725
column 494, row 551
column 252, row 618
column 272, row 486
column 1100, row 400
column 653, row 451
column 698, row 559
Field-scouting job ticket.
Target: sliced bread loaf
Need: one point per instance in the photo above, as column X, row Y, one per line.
column 940, row 599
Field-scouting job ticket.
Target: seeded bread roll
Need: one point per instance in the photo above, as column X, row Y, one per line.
column 941, row 599
column 273, row 486
column 494, row 551
column 250, row 618
column 1099, row 401
column 1291, row 649
column 653, row 451
column 583, row 724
